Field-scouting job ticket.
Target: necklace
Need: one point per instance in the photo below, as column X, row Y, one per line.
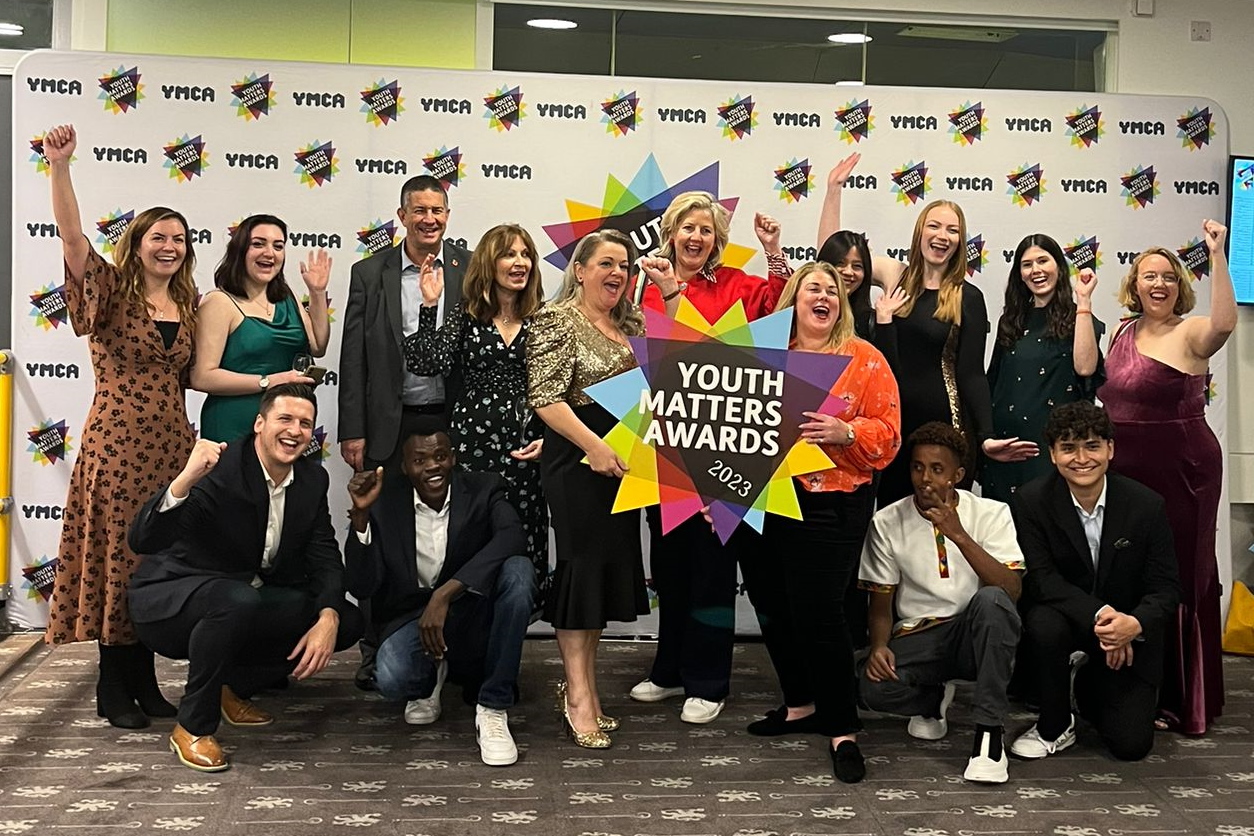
column 159, row 309
column 506, row 320
column 263, row 305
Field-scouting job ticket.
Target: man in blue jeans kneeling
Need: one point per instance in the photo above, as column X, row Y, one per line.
column 441, row 555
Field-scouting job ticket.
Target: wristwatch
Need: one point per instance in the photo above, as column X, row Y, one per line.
column 264, row 382
column 849, row 437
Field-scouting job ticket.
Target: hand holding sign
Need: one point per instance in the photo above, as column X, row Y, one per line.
column 825, row 429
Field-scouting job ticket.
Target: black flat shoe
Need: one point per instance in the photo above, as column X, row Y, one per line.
column 847, row 763
column 776, row 722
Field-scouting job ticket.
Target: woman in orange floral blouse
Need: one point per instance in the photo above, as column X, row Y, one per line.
column 797, row 581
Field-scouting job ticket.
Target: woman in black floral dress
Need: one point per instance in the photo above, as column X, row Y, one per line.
column 483, row 343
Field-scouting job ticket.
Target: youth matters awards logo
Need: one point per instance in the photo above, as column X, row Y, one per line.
column 1027, row 184
column 967, row 124
column 48, row 307
column 49, row 442
column 316, row 164
column 253, row 96
column 1195, row 128
column 37, row 155
column 505, row 108
column 376, row 237
column 635, row 209
column 710, row 417
column 1140, row 186
column 737, row 117
column 111, row 227
column 445, row 164
column 186, row 158
column 793, row 180
column 38, row 578
column 854, row 121
column 120, row 90
column 1195, row 256
column 1085, row 126
column 977, row 255
column 621, row 113
column 911, row 183
column 1084, row 253
column 382, row 103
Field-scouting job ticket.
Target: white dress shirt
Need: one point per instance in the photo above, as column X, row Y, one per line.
column 1092, row 522
column 430, row 539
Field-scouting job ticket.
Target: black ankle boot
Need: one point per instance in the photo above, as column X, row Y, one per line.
column 141, row 683
column 112, row 700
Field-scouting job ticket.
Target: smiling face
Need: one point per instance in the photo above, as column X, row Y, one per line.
column 163, row 248
column 427, row 461
column 1157, row 286
column 940, row 236
column 851, row 270
column 817, row 305
column 263, row 260
column 425, row 217
column 1039, row 272
column 283, row 432
column 604, row 276
column 693, row 241
column 513, row 267
column 1083, row 463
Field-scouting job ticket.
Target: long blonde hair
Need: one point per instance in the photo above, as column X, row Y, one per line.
column 182, row 288
column 685, row 204
column 842, row 328
column 949, row 303
column 625, row 316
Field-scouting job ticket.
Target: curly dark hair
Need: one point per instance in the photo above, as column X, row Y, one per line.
column 941, row 435
column 1059, row 313
column 1078, row 421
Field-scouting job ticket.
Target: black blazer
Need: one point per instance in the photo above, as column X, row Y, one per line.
column 483, row 532
column 372, row 361
column 220, row 532
column 1136, row 566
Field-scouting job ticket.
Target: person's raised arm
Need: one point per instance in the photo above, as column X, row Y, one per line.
column 316, row 273
column 1000, row 537
column 1207, row 334
column 59, row 145
column 829, row 214
column 1084, row 352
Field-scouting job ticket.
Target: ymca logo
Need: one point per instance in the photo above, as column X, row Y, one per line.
column 793, row 180
column 316, row 163
column 911, row 183
column 48, row 307
column 38, row 578
column 1140, row 187
column 445, row 165
column 1196, row 258
column 376, row 237
column 621, row 113
column 977, row 255
column 967, row 124
column 49, row 442
column 737, row 117
column 186, row 158
column 120, row 90
column 252, row 96
column 1027, row 184
column 1085, row 126
column 1084, row 253
column 854, row 121
column 111, row 227
column 383, row 102
column 1196, row 128
column 505, row 109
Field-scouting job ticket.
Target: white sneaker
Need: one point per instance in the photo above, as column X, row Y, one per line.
column 1031, row 745
column 988, row 763
column 699, row 711
column 933, row 728
column 426, row 710
column 646, row 691
column 496, row 745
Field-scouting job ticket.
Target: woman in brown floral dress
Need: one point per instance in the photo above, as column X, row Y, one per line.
column 138, row 316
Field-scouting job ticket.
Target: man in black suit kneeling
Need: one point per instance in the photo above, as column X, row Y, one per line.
column 440, row 554
column 1101, row 579
column 242, row 574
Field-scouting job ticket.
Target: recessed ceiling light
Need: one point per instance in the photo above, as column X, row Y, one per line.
column 11, row 29
column 551, row 23
column 850, row 38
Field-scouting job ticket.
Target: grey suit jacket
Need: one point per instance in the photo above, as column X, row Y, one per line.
column 372, row 361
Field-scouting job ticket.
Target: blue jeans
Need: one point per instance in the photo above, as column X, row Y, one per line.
column 484, row 636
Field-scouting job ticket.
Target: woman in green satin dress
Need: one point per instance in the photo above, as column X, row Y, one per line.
column 251, row 328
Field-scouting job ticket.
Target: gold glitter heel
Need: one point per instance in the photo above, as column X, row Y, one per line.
column 608, row 723
column 587, row 740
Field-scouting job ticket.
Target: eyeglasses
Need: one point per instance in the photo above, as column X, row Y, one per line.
column 1165, row 278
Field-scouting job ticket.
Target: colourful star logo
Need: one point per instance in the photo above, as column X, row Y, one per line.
column 318, row 445
column 1085, row 126
column 48, row 307
column 854, row 121
column 621, row 113
column 49, row 442
column 505, row 108
column 977, row 255
column 683, row 452
column 1140, row 186
column 737, row 117
column 316, row 163
column 911, row 183
column 383, row 102
column 186, row 158
column 120, row 90
column 1084, row 253
column 793, row 180
column 253, row 96
column 376, row 237
column 1195, row 256
column 37, row 154
column 111, row 227
column 38, row 578
column 304, row 303
column 1196, row 128
column 967, row 124
column 445, row 164
column 1027, row 184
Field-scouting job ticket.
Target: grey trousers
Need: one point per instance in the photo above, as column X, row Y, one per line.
column 977, row 645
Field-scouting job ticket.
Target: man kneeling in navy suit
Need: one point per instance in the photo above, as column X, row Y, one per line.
column 440, row 553
column 1102, row 579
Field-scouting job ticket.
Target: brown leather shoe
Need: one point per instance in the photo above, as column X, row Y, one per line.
column 239, row 712
column 200, row 753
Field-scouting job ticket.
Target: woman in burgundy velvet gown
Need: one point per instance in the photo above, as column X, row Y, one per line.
column 1155, row 392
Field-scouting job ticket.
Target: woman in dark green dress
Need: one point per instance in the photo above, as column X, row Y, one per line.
column 250, row 330
column 1046, row 354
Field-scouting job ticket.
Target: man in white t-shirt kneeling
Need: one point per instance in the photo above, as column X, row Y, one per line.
column 950, row 563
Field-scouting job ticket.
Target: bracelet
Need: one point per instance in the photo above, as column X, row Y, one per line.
column 1079, row 311
column 671, row 295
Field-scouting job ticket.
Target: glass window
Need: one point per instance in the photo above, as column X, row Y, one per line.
column 25, row 24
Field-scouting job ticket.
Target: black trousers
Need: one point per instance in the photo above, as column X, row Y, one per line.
column 798, row 581
column 234, row 634
column 694, row 576
column 1120, row 704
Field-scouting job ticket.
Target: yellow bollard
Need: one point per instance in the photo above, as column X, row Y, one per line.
column 6, row 467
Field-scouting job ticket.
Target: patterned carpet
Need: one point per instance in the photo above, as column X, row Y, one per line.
column 341, row 762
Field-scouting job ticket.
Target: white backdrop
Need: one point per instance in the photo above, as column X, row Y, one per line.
column 222, row 139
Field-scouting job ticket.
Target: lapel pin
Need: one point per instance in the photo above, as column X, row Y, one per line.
column 1122, row 543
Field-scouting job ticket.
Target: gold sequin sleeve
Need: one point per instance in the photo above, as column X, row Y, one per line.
column 550, row 356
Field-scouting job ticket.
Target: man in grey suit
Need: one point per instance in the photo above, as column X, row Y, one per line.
column 380, row 400
column 378, row 396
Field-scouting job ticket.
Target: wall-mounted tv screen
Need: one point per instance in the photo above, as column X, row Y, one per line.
column 1241, row 226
